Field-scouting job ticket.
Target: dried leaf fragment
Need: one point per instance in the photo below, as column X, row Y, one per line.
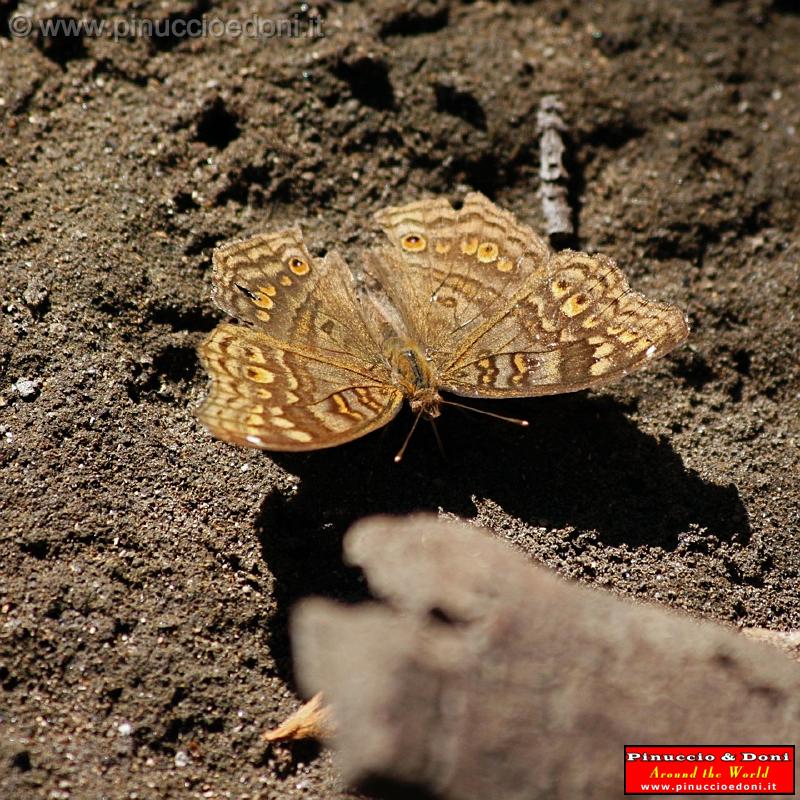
column 311, row 721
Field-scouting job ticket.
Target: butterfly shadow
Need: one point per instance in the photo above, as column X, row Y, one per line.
column 582, row 464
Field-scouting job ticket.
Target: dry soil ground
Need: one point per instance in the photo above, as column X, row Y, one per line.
column 146, row 570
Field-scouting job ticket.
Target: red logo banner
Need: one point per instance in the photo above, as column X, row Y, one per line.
column 709, row 769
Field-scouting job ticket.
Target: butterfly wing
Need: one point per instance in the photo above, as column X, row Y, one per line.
column 303, row 371
column 271, row 282
column 266, row 396
column 446, row 270
column 576, row 325
column 521, row 321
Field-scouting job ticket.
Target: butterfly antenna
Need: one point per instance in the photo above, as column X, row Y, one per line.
column 399, row 457
column 438, row 439
column 523, row 422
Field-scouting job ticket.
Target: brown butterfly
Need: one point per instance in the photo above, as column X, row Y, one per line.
column 469, row 302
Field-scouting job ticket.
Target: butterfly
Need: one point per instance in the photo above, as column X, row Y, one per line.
column 468, row 302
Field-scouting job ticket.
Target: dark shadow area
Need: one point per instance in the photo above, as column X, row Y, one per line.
column 60, row 38
column 396, row 790
column 216, row 125
column 169, row 31
column 369, row 81
column 302, row 752
column 786, row 7
column 461, row 104
column 581, row 463
column 7, row 8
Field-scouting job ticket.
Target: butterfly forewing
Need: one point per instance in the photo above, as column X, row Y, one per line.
column 271, row 282
column 449, row 270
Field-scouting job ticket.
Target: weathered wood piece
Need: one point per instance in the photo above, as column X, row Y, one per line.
column 552, row 172
column 481, row 675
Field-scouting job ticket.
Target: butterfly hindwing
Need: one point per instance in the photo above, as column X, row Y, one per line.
column 265, row 396
column 503, row 316
column 574, row 325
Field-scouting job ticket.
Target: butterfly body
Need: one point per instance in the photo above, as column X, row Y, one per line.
column 413, row 373
column 466, row 301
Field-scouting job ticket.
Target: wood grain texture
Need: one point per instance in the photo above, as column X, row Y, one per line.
column 481, row 675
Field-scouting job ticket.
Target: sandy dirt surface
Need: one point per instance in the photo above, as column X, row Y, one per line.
column 146, row 570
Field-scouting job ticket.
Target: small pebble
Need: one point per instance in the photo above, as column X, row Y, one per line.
column 181, row 759
column 35, row 295
column 27, row 389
